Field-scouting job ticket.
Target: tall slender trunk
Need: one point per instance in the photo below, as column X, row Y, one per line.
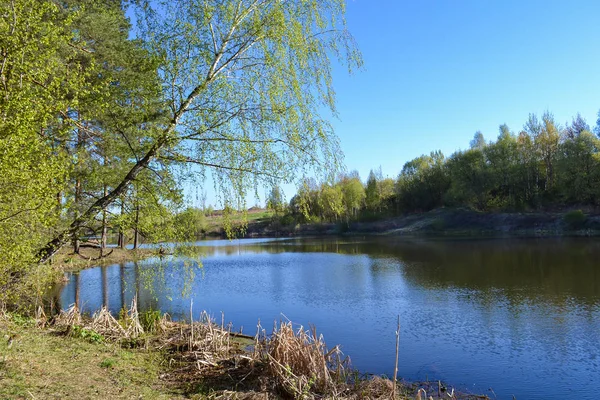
column 121, row 240
column 122, row 279
column 104, row 287
column 136, row 232
column 78, row 192
column 77, row 199
column 104, row 228
column 77, row 290
column 47, row 251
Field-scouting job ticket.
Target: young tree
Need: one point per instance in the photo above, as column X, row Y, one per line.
column 502, row 160
column 243, row 82
column 331, row 202
column 353, row 193
column 528, row 172
column 423, row 182
column 547, row 146
column 578, row 169
column 478, row 141
column 469, row 178
column 275, row 200
column 372, row 193
column 577, row 126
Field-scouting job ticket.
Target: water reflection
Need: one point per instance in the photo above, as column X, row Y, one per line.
column 512, row 315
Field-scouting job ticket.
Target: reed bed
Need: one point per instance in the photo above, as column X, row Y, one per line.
column 102, row 322
column 299, row 362
column 105, row 324
column 289, row 363
column 69, row 317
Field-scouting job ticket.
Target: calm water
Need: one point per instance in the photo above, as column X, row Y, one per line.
column 521, row 317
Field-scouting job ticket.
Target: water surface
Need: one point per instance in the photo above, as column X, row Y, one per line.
column 519, row 317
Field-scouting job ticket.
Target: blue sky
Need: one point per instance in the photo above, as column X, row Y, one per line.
column 437, row 71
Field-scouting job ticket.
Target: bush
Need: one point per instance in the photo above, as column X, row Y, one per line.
column 87, row 334
column 438, row 224
column 108, row 363
column 287, row 220
column 575, row 219
column 149, row 320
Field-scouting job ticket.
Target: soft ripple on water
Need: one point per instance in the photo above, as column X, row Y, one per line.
column 520, row 317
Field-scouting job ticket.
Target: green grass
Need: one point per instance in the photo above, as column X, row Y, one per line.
column 215, row 223
column 41, row 364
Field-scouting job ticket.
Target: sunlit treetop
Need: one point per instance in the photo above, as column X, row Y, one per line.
column 246, row 83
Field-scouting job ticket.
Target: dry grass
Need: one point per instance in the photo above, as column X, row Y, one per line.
column 205, row 360
column 300, row 363
column 70, row 317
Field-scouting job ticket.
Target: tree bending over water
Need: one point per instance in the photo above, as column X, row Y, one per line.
column 243, row 83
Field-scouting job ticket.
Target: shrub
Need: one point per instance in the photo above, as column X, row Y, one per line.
column 108, row 363
column 149, row 320
column 87, row 334
column 575, row 219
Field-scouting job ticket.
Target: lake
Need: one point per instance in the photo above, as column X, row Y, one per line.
column 499, row 317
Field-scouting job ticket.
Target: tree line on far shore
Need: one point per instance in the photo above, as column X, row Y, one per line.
column 544, row 166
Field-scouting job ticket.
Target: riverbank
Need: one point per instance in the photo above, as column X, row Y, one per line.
column 445, row 222
column 89, row 256
column 142, row 356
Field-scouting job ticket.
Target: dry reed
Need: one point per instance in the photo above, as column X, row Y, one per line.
column 105, row 324
column 291, row 362
column 69, row 318
column 300, row 363
column 397, row 354
column 133, row 326
column 40, row 317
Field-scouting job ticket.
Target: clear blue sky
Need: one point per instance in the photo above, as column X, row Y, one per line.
column 437, row 71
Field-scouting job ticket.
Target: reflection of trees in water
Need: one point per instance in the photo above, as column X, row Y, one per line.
column 521, row 267
column 166, row 278
column 518, row 270
column 555, row 269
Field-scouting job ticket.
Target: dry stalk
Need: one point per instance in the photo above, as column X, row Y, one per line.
column 191, row 344
column 258, row 342
column 397, row 351
column 104, row 323
column 69, row 318
column 164, row 323
column 134, row 327
column 40, row 317
column 299, row 362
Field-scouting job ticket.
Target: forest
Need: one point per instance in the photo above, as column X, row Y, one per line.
column 545, row 166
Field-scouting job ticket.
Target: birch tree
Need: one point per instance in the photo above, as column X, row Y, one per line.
column 244, row 82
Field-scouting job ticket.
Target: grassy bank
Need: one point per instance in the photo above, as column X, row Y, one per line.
column 147, row 356
column 66, row 260
column 451, row 222
column 46, row 363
